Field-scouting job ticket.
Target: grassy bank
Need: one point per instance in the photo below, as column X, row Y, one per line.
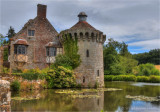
column 152, row 78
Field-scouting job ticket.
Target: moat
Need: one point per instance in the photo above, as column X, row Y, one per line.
column 50, row 100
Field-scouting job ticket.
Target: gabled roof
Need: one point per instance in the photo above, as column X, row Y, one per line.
column 82, row 25
column 32, row 21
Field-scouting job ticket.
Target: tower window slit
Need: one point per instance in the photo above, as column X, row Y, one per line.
column 98, row 73
column 87, row 53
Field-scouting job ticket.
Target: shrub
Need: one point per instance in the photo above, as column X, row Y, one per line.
column 30, row 76
column 108, row 77
column 15, row 85
column 124, row 78
column 78, row 86
column 16, row 71
column 5, row 70
column 142, row 79
column 96, row 85
column 60, row 77
column 154, row 79
column 145, row 70
column 63, row 60
column 34, row 74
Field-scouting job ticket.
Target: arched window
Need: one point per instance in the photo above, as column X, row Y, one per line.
column 51, row 51
column 81, row 35
column 87, row 53
column 75, row 35
column 92, row 36
column 70, row 35
column 20, row 49
column 87, row 35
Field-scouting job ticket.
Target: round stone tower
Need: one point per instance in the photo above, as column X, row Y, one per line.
column 90, row 73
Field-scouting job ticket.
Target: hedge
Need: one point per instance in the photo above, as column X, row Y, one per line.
column 152, row 78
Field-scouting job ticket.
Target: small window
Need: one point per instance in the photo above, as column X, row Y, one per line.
column 51, row 51
column 98, row 102
column 20, row 49
column 98, row 73
column 83, row 79
column 31, row 32
column 9, row 48
column 87, row 53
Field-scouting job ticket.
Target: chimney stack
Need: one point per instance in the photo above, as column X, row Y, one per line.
column 41, row 11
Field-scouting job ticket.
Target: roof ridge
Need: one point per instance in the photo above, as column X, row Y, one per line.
column 82, row 24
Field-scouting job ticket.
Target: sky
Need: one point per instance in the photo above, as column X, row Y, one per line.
column 135, row 22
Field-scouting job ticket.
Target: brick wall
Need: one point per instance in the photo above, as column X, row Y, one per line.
column 36, row 50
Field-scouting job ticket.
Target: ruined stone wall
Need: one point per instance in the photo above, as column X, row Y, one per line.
column 5, row 96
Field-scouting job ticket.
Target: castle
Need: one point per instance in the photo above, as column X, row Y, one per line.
column 37, row 44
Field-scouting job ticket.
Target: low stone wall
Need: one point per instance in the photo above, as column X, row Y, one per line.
column 5, row 96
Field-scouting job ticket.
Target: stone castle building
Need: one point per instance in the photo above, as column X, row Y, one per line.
column 37, row 44
column 90, row 44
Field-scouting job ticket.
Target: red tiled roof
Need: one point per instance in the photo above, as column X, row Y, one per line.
column 21, row 42
column 82, row 25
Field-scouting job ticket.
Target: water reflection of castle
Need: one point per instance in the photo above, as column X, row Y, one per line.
column 90, row 104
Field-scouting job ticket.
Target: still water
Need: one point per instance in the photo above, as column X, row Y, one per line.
column 49, row 100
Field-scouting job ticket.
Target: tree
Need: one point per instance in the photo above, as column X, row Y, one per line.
column 1, row 40
column 11, row 32
column 124, row 50
column 117, row 59
column 111, row 57
column 153, row 56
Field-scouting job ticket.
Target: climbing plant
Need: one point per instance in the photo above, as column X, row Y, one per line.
column 70, row 52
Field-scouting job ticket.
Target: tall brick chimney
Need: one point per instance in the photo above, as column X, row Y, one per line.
column 41, row 11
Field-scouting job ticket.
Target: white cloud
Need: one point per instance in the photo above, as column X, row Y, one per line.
column 123, row 20
column 147, row 45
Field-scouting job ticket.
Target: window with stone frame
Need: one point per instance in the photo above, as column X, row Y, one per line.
column 31, row 32
column 83, row 79
column 20, row 49
column 98, row 73
column 87, row 53
column 51, row 51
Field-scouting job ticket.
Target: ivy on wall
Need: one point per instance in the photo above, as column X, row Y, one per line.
column 5, row 54
column 71, row 49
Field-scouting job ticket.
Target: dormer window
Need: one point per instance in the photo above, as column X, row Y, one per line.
column 31, row 32
column 51, row 51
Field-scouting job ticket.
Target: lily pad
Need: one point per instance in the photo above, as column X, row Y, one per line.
column 69, row 91
column 143, row 98
column 24, row 98
column 85, row 96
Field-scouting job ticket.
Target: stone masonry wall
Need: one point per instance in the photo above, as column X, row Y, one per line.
column 89, row 66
